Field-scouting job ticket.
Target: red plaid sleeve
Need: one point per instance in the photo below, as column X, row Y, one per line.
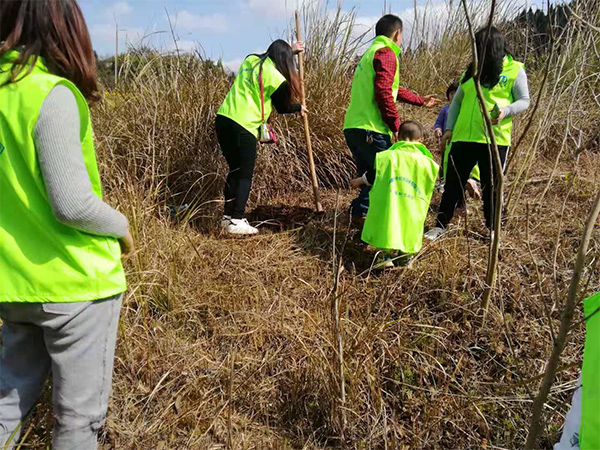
column 384, row 63
column 408, row 96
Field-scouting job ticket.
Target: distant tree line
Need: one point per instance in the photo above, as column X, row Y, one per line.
column 538, row 23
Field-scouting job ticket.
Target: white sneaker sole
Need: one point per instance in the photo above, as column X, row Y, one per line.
column 231, row 233
column 384, row 266
column 235, row 232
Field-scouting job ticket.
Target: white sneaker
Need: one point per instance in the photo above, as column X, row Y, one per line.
column 240, row 227
column 435, row 233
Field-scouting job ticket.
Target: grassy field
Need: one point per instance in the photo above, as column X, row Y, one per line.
column 233, row 343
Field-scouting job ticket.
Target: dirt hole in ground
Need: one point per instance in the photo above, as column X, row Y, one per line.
column 278, row 218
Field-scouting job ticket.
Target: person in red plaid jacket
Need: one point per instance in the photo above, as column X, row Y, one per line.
column 372, row 118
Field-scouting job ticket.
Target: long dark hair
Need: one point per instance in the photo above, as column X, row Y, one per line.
column 491, row 54
column 54, row 30
column 282, row 55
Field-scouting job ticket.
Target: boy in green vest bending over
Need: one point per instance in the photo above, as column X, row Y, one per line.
column 403, row 182
column 372, row 117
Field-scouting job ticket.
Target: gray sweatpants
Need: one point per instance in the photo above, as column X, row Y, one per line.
column 73, row 341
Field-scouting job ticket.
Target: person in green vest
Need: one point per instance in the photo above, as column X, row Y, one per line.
column 403, row 182
column 61, row 277
column 504, row 85
column 263, row 81
column 582, row 425
column 372, row 118
column 439, row 129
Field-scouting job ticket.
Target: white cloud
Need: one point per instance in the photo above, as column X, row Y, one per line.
column 182, row 45
column 215, row 23
column 274, row 8
column 119, row 9
column 104, row 33
column 233, row 64
column 434, row 19
column 364, row 24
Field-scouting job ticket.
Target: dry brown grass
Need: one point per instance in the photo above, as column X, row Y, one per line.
column 420, row 371
column 414, row 352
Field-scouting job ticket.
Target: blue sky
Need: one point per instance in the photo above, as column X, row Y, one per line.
column 227, row 29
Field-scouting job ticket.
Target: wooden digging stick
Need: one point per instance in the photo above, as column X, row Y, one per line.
column 311, row 160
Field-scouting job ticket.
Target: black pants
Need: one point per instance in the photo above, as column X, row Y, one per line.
column 462, row 159
column 364, row 145
column 239, row 148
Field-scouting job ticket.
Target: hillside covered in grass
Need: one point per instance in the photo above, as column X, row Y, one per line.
column 235, row 343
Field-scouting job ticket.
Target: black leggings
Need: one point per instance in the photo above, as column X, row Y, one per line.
column 463, row 157
column 239, row 148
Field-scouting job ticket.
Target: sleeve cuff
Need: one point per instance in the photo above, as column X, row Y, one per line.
column 365, row 180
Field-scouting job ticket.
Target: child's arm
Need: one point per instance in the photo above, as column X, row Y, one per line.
column 357, row 182
column 367, row 179
column 440, row 122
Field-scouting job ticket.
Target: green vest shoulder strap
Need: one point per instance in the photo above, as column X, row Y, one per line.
column 35, row 246
column 243, row 102
column 363, row 112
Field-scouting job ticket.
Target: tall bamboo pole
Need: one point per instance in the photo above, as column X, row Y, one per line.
column 116, row 53
column 311, row 160
column 498, row 177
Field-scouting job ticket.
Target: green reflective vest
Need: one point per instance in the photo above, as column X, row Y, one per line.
column 42, row 260
column 242, row 104
column 363, row 112
column 589, row 438
column 470, row 126
column 400, row 196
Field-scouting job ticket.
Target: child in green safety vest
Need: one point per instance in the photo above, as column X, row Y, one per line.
column 263, row 81
column 372, row 117
column 582, row 425
column 403, row 181
column 61, row 276
column 506, row 94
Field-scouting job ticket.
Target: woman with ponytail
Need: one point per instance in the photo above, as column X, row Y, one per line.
column 265, row 80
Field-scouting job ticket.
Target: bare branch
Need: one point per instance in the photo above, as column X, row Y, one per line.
column 499, row 182
column 565, row 325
